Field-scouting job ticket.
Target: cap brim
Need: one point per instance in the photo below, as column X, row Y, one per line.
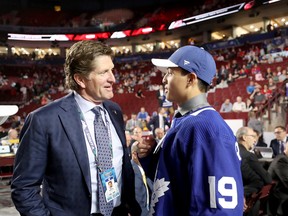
column 164, row 63
column 8, row 110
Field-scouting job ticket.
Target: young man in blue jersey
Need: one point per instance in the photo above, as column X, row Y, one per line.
column 198, row 170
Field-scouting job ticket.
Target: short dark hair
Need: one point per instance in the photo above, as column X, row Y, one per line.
column 281, row 127
column 203, row 86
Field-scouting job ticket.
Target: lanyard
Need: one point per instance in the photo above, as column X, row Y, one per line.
column 88, row 135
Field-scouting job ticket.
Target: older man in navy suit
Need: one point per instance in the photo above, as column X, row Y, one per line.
column 278, row 144
column 58, row 146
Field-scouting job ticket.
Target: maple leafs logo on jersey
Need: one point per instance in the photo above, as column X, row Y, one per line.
column 159, row 188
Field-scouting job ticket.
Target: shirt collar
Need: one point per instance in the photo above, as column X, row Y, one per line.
column 84, row 105
column 194, row 103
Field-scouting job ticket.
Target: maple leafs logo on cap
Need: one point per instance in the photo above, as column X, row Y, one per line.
column 186, row 62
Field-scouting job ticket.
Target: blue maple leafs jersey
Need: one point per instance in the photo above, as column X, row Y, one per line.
column 199, row 168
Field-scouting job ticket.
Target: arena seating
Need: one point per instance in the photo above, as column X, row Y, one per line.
column 128, row 101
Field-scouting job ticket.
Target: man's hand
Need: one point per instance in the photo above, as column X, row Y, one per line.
column 145, row 146
column 245, row 205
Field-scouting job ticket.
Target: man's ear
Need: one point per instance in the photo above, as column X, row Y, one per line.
column 79, row 80
column 191, row 78
column 244, row 137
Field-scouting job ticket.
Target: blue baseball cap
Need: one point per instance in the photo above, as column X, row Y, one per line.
column 191, row 59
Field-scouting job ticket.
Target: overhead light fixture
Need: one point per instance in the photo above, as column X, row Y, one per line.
column 270, row 2
column 57, row 8
column 249, row 5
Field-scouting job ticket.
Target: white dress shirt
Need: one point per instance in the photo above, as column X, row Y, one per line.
column 117, row 149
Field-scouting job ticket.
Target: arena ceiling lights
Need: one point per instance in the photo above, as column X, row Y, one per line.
column 77, row 37
column 29, row 37
column 142, row 31
column 206, row 16
column 59, row 37
column 219, row 13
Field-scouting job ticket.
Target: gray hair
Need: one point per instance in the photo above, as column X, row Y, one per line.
column 241, row 132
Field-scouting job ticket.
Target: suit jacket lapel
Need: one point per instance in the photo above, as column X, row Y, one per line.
column 115, row 117
column 73, row 127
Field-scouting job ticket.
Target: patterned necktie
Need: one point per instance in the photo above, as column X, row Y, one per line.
column 104, row 156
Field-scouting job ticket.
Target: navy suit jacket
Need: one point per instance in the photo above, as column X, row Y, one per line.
column 254, row 176
column 53, row 153
column 274, row 144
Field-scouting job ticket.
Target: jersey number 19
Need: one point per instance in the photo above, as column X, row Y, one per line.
column 230, row 192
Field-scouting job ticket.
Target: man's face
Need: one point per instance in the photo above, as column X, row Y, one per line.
column 110, row 184
column 280, row 134
column 137, row 132
column 133, row 116
column 251, row 138
column 175, row 83
column 160, row 134
column 162, row 111
column 98, row 86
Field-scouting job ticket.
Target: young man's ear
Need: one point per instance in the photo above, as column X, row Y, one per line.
column 192, row 77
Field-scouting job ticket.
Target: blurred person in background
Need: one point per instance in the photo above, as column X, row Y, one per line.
column 160, row 94
column 142, row 114
column 226, row 106
column 159, row 134
column 253, row 174
column 133, row 122
column 255, row 123
column 278, row 144
column 239, row 105
column 159, row 121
